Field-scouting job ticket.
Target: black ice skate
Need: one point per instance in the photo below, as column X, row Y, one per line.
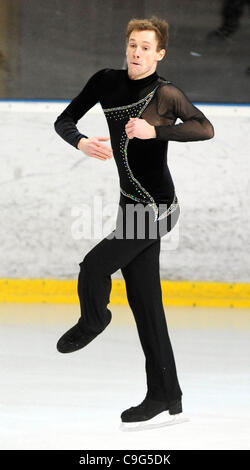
column 75, row 339
column 152, row 414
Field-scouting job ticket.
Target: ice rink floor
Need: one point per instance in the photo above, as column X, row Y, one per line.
column 50, row 400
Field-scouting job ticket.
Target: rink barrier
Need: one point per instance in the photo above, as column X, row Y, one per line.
column 176, row 293
column 57, row 106
column 179, row 293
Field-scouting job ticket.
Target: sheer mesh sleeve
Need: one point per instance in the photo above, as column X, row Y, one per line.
column 65, row 124
column 175, row 104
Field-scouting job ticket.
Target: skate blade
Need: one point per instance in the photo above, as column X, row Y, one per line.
column 154, row 423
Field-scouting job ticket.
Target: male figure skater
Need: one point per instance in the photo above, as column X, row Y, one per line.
column 141, row 109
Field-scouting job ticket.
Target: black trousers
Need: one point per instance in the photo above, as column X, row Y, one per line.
column 138, row 258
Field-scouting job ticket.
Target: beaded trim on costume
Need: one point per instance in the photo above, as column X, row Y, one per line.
column 170, row 209
column 136, row 110
column 127, row 105
column 167, row 212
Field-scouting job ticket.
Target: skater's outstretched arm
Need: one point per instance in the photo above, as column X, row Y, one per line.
column 173, row 104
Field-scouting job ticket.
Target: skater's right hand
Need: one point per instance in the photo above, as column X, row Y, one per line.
column 94, row 148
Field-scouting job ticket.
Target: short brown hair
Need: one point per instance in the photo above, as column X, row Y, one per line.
column 156, row 24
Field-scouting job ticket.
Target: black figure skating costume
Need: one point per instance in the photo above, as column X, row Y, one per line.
column 145, row 180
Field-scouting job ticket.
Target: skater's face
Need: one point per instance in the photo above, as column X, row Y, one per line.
column 141, row 53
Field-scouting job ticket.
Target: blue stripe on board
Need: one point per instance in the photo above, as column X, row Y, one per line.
column 32, row 100
column 68, row 101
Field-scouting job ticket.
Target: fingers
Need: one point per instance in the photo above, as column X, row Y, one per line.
column 129, row 132
column 129, row 124
column 97, row 156
column 102, row 155
column 103, row 150
column 129, row 127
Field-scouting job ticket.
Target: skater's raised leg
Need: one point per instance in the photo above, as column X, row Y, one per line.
column 94, row 287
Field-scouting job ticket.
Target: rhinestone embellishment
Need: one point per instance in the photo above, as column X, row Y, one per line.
column 122, row 113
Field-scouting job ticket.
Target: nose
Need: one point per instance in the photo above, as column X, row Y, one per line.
column 136, row 52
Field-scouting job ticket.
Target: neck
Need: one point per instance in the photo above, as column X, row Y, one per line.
column 137, row 82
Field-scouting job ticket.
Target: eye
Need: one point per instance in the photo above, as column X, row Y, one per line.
column 133, row 45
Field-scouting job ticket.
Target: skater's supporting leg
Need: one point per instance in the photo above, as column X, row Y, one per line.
column 143, row 285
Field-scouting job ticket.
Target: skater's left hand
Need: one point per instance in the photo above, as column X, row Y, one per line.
column 140, row 128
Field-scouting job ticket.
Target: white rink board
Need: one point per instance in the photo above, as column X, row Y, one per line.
column 45, row 182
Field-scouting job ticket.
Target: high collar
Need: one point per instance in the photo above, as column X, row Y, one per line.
column 141, row 82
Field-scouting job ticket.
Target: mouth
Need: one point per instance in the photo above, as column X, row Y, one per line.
column 135, row 63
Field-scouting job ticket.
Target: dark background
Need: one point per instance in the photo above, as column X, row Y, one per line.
column 49, row 48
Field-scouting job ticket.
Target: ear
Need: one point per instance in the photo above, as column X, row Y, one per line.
column 162, row 53
column 162, row 56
